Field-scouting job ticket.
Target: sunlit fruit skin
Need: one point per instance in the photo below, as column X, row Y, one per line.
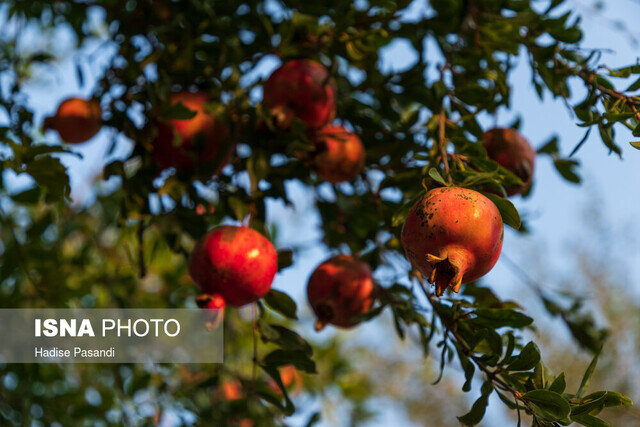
column 340, row 154
column 76, row 120
column 512, row 151
column 301, row 89
column 201, row 139
column 236, row 263
column 340, row 289
column 453, row 235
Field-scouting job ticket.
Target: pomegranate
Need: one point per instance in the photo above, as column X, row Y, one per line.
column 76, row 120
column 301, row 89
column 236, row 263
column 340, row 154
column 340, row 289
column 452, row 236
column 512, row 151
column 201, row 139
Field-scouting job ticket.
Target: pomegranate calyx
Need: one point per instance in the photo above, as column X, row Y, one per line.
column 326, row 313
column 446, row 272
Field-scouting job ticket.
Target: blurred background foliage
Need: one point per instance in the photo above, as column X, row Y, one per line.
column 122, row 237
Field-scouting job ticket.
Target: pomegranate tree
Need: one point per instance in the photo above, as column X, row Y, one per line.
column 76, row 120
column 511, row 150
column 183, row 143
column 340, row 155
column 340, row 289
column 452, row 236
column 301, row 89
column 236, row 263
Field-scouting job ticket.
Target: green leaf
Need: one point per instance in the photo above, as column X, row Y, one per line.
column 566, row 168
column 589, row 403
column 589, row 421
column 474, row 416
column 559, row 384
column 285, row 338
column 634, row 86
column 297, row 358
column 635, row 144
column 29, row 196
column 606, row 133
column 313, row 419
column 435, row 175
column 508, row 211
column 527, row 359
column 614, row 398
column 177, row 112
column 550, row 406
column 282, row 303
column 51, row 175
column 581, row 143
column 285, row 258
column 497, row 318
column 587, row 375
column 273, row 372
column 551, row 147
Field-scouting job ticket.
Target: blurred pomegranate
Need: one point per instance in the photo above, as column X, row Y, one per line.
column 340, row 289
column 512, row 151
column 76, row 120
column 301, row 89
column 340, row 154
column 184, row 143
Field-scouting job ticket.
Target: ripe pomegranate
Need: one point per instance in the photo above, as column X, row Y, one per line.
column 236, row 263
column 201, row 139
column 452, row 236
column 76, row 120
column 340, row 154
column 512, row 151
column 340, row 289
column 301, row 89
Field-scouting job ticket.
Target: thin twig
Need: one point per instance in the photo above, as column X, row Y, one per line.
column 442, row 144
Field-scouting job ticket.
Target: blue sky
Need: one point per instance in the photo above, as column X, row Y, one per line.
column 555, row 210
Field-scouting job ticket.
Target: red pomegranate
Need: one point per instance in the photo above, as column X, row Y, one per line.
column 340, row 154
column 236, row 263
column 452, row 236
column 340, row 289
column 512, row 151
column 76, row 120
column 201, row 139
column 301, row 89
